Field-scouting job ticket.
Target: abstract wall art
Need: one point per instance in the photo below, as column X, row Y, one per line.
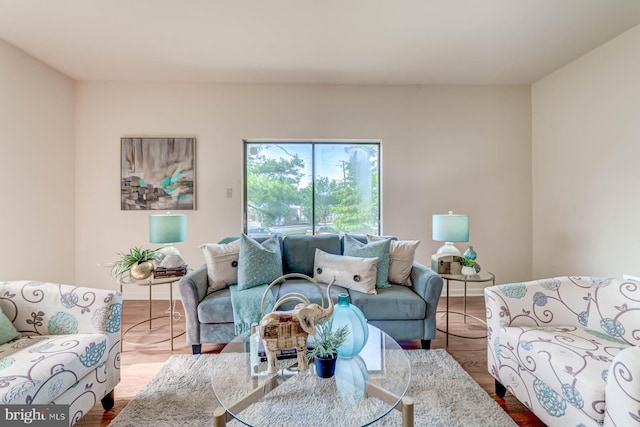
column 157, row 173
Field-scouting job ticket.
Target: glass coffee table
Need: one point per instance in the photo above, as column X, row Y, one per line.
column 364, row 389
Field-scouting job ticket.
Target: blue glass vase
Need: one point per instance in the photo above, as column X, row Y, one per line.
column 348, row 314
column 470, row 253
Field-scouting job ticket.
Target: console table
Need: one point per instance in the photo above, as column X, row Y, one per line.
column 483, row 276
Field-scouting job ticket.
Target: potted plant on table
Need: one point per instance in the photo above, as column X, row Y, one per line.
column 468, row 266
column 325, row 348
column 138, row 262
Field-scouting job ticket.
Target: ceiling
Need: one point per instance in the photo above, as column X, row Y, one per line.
column 313, row 41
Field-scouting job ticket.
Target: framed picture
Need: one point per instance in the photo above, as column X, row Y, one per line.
column 157, row 173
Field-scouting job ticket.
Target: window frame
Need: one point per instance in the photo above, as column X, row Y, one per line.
column 312, row 143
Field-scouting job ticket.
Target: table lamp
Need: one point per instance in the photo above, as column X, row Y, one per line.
column 168, row 228
column 450, row 228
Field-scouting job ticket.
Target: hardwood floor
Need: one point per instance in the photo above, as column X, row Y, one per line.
column 140, row 363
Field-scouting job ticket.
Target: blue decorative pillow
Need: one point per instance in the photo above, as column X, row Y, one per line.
column 258, row 263
column 7, row 331
column 380, row 250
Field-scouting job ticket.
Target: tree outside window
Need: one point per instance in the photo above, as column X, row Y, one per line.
column 312, row 187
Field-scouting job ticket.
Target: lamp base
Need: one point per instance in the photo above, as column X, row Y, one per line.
column 170, row 257
column 449, row 249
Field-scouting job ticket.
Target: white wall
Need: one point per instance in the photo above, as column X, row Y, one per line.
column 37, row 155
column 586, row 153
column 465, row 149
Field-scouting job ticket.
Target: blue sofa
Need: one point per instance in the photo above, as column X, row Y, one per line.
column 402, row 312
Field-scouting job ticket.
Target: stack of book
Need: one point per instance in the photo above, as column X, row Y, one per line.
column 161, row 272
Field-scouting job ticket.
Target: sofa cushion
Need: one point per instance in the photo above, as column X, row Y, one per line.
column 216, row 307
column 259, row 263
column 307, row 289
column 298, row 252
column 393, row 303
column 7, row 331
column 401, row 256
column 37, row 369
column 380, row 250
column 570, row 361
column 356, row 273
column 222, row 264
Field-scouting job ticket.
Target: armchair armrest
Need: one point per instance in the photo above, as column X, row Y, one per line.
column 559, row 301
column 623, row 389
column 193, row 289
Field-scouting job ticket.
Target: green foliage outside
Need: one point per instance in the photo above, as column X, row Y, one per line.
column 277, row 195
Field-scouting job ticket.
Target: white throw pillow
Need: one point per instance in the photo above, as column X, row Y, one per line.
column 350, row 272
column 222, row 263
column 401, row 256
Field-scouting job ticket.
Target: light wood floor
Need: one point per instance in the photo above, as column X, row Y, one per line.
column 139, row 363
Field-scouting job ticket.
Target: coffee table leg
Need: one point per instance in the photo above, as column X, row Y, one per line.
column 219, row 417
column 407, row 412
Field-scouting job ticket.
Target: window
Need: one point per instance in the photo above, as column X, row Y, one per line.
column 311, row 187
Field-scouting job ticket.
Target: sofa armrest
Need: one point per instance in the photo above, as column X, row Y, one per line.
column 193, row 289
column 42, row 308
column 428, row 284
column 622, row 391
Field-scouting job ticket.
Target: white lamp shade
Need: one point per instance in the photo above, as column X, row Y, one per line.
column 167, row 228
column 450, row 228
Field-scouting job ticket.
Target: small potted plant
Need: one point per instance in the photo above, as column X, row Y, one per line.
column 468, row 266
column 138, row 262
column 325, row 348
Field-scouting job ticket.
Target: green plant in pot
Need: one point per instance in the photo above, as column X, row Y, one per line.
column 325, row 348
column 468, row 266
column 138, row 262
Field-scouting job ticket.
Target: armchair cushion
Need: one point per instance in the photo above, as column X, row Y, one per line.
column 7, row 331
column 44, row 367
column 573, row 363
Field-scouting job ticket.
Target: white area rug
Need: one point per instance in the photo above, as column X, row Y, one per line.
column 444, row 395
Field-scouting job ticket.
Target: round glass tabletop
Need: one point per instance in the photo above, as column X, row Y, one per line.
column 363, row 390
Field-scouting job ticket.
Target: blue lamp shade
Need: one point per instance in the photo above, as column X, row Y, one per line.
column 167, row 228
column 450, row 228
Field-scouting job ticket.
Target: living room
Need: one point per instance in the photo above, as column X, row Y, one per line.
column 524, row 151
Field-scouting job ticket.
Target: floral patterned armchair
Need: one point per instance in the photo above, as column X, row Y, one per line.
column 567, row 348
column 68, row 349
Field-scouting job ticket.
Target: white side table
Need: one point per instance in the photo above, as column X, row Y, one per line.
column 171, row 313
column 483, row 276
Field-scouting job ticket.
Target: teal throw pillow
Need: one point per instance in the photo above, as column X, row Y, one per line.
column 7, row 331
column 258, row 263
column 380, row 250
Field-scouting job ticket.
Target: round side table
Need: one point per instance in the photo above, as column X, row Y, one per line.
column 483, row 276
column 170, row 313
